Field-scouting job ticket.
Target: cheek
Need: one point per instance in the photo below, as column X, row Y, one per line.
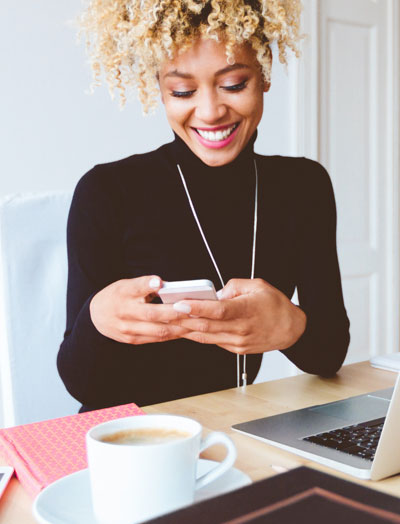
column 255, row 106
column 176, row 110
column 173, row 113
column 251, row 105
column 252, row 110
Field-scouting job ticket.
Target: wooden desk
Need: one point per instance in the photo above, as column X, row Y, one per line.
column 219, row 411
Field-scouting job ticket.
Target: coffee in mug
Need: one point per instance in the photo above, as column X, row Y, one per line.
column 143, row 436
column 143, row 466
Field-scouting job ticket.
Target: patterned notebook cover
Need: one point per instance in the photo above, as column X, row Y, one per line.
column 43, row 452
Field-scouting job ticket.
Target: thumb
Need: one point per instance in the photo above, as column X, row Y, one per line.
column 144, row 286
column 239, row 286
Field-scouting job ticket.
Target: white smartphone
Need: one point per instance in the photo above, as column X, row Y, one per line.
column 201, row 289
column 6, row 473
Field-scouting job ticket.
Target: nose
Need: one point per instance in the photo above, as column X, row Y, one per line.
column 210, row 108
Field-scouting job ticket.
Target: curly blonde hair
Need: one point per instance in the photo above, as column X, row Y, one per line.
column 129, row 39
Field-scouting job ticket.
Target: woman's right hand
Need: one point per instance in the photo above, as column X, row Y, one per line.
column 122, row 312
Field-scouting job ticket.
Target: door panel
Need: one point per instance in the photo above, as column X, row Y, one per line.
column 348, row 127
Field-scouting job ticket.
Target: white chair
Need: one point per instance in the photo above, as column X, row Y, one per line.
column 33, row 280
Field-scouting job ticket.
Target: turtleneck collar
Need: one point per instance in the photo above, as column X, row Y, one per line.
column 192, row 165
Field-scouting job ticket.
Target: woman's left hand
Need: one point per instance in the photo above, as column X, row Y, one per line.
column 251, row 317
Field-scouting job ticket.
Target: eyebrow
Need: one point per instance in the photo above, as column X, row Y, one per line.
column 223, row 71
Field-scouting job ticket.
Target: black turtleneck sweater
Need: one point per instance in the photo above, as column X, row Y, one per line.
column 131, row 218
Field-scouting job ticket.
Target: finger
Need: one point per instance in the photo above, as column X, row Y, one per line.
column 215, row 338
column 214, row 309
column 147, row 312
column 133, row 332
column 205, row 325
column 142, row 286
column 233, row 349
column 241, row 286
column 142, row 339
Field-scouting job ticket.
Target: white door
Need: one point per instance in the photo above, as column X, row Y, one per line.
column 348, row 111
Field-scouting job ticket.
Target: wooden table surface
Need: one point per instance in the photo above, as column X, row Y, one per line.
column 220, row 410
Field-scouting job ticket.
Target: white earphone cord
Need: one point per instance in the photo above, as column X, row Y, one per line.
column 244, row 373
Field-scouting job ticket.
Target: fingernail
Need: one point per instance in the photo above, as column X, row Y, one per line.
column 219, row 293
column 182, row 308
column 154, row 282
column 279, row 469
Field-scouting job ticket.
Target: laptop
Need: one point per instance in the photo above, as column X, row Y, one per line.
column 359, row 435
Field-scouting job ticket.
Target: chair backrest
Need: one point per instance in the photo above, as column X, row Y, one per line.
column 33, row 280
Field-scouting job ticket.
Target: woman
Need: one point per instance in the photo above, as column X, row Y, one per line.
column 131, row 223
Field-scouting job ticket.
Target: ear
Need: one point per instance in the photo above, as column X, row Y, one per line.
column 266, row 86
column 159, row 87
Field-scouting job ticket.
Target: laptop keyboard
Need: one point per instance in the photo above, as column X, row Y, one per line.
column 360, row 439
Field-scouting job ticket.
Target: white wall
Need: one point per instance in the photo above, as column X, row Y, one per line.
column 51, row 132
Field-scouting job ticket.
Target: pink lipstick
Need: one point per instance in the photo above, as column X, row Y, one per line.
column 216, row 144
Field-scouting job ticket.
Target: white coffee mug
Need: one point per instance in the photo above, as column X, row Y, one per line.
column 131, row 483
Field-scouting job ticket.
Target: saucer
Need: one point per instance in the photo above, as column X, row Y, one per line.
column 68, row 500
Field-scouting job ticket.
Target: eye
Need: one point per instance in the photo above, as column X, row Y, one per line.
column 236, row 87
column 182, row 94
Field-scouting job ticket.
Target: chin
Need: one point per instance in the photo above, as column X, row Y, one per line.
column 218, row 162
column 216, row 159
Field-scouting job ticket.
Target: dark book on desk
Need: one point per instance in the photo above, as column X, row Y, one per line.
column 300, row 496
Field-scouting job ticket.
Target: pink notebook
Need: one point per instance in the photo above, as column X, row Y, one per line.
column 43, row 452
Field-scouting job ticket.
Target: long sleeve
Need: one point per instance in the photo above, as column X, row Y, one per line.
column 322, row 347
column 93, row 247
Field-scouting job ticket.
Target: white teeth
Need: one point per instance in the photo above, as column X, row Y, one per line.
column 217, row 135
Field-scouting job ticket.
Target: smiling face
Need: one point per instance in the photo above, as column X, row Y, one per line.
column 212, row 106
